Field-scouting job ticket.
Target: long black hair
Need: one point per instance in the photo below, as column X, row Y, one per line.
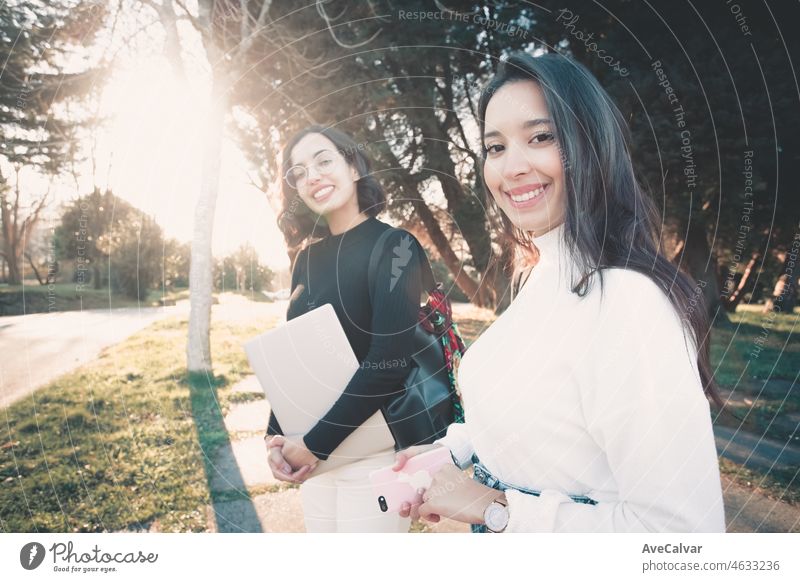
column 297, row 221
column 610, row 221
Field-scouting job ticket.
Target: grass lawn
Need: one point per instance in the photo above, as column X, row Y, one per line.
column 123, row 441
column 757, row 362
column 736, row 347
column 34, row 298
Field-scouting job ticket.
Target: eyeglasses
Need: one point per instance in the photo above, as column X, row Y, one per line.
column 324, row 163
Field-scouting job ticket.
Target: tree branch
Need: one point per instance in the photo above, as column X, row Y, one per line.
column 189, row 16
column 35, row 270
column 249, row 36
column 328, row 20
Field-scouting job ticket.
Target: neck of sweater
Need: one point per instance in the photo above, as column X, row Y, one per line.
column 551, row 244
column 555, row 262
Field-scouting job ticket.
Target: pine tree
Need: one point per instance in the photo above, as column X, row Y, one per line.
column 36, row 39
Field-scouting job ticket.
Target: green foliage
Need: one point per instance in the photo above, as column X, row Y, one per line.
column 36, row 39
column 242, row 271
column 135, row 253
column 83, row 234
column 111, row 242
column 225, row 274
column 177, row 258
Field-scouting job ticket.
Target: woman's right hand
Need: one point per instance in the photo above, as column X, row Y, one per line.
column 281, row 470
column 400, row 460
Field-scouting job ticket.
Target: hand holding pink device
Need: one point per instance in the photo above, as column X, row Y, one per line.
column 393, row 488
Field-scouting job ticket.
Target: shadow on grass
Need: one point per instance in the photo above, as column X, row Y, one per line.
column 234, row 510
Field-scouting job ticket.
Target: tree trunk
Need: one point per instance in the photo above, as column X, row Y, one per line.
column 14, row 274
column 469, row 216
column 15, row 232
column 736, row 297
column 198, row 350
column 480, row 295
column 784, row 294
column 35, row 270
column 10, row 242
column 13, row 258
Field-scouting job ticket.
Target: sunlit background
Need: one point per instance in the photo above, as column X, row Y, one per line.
column 127, row 351
column 148, row 147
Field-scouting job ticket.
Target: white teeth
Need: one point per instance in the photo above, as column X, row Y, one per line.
column 319, row 194
column 528, row 195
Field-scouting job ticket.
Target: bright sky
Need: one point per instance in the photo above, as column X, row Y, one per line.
column 150, row 150
column 156, row 142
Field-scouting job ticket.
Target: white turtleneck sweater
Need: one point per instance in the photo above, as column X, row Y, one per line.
column 594, row 397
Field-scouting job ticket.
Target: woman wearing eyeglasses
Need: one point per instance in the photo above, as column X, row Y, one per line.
column 330, row 201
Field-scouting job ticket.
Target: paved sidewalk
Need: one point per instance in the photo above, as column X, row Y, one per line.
column 264, row 504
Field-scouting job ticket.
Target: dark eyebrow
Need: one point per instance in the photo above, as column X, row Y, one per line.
column 315, row 155
column 527, row 125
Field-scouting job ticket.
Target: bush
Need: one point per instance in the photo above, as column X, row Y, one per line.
column 242, row 271
column 176, row 257
column 135, row 255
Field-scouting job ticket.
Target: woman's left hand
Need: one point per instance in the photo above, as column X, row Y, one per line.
column 454, row 495
column 295, row 453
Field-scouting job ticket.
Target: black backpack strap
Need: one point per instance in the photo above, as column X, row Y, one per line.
column 428, row 280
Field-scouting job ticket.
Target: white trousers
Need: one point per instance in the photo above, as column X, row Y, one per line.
column 342, row 500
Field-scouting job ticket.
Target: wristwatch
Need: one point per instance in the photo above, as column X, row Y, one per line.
column 496, row 516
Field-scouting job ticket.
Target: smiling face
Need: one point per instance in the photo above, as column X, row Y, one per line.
column 323, row 178
column 523, row 168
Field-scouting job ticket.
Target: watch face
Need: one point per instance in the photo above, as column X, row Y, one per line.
column 496, row 517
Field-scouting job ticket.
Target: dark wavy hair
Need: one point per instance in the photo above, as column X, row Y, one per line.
column 610, row 221
column 298, row 222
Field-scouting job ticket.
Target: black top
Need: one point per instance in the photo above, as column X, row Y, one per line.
column 334, row 270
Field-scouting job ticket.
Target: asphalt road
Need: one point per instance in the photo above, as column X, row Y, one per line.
column 37, row 348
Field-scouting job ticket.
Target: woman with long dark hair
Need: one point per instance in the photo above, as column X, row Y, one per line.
column 585, row 401
column 330, row 203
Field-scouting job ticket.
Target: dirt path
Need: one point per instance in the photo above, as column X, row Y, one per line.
column 747, row 510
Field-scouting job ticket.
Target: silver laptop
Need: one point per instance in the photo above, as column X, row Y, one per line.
column 303, row 366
